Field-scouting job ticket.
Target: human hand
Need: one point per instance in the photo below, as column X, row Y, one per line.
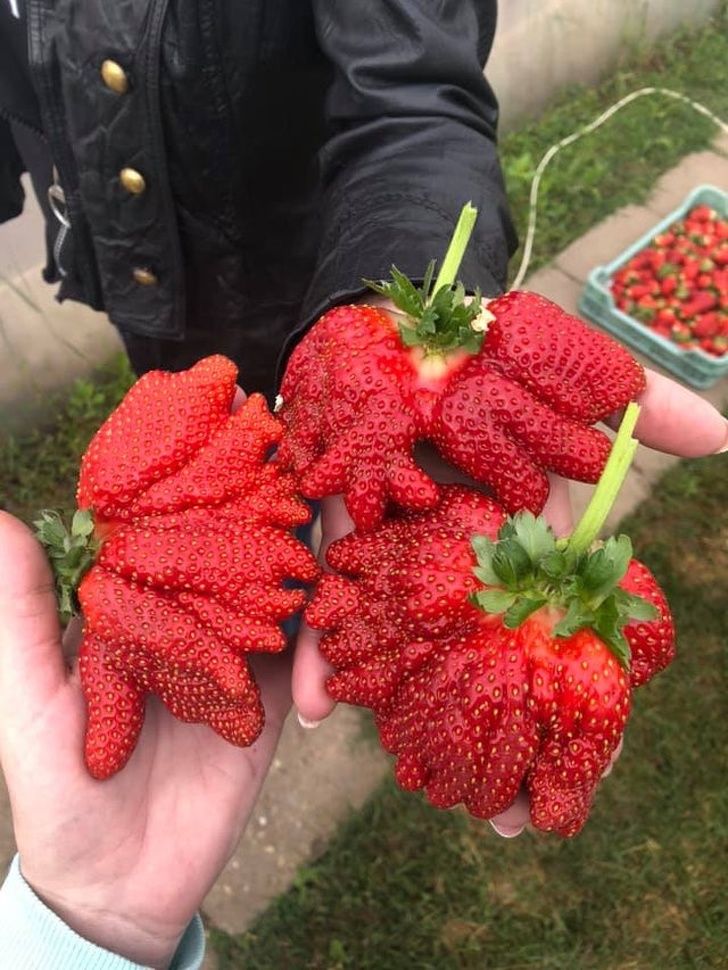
column 672, row 420
column 125, row 862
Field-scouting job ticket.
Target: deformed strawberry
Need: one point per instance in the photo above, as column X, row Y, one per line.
column 179, row 554
column 505, row 393
column 493, row 655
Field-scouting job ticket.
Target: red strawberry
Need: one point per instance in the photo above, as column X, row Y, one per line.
column 718, row 346
column 505, row 394
column 702, row 213
column 472, row 709
column 706, row 325
column 186, row 527
column 490, row 664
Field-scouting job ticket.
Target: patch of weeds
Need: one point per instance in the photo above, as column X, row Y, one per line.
column 39, row 469
column 618, row 163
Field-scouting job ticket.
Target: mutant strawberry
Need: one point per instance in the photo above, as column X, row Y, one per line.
column 494, row 655
column 505, row 393
column 177, row 558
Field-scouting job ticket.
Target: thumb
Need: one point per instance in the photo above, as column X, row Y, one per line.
column 31, row 663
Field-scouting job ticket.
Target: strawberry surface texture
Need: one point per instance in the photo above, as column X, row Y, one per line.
column 365, row 385
column 193, row 529
column 474, row 706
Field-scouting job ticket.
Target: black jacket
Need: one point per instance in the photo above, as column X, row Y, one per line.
column 289, row 148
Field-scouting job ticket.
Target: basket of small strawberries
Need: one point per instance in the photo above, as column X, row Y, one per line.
column 667, row 294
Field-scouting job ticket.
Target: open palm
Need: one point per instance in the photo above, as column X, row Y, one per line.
column 127, row 859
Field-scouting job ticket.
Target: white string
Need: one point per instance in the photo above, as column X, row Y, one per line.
column 574, row 136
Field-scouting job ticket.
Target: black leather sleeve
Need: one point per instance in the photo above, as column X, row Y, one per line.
column 413, row 127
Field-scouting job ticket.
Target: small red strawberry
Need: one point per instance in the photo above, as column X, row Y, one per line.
column 505, row 394
column 494, row 655
column 706, row 325
column 181, row 544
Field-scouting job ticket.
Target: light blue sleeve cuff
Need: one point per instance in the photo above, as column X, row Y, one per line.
column 32, row 937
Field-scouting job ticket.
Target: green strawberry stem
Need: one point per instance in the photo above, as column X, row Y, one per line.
column 609, row 484
column 71, row 552
column 456, row 249
column 528, row 568
column 437, row 318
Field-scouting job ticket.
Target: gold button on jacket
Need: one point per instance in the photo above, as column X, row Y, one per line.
column 114, row 77
column 132, row 181
column 144, row 276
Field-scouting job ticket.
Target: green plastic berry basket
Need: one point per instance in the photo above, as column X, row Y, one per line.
column 695, row 366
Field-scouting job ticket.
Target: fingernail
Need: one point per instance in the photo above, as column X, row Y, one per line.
column 608, row 770
column 507, row 831
column 305, row 723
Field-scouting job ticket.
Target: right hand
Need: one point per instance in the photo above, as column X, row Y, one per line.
column 673, row 420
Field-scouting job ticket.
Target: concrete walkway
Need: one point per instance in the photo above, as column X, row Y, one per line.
column 319, row 777
column 44, row 345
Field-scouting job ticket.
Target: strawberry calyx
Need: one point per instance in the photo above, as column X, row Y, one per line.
column 71, row 550
column 437, row 317
column 528, row 568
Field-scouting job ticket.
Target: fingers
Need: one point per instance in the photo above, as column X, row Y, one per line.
column 32, row 667
column 238, row 399
column 513, row 821
column 615, row 755
column 557, row 510
column 72, row 636
column 310, row 673
column 676, row 420
column 310, row 670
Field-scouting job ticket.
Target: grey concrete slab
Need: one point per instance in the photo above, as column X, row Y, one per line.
column 720, row 145
column 22, row 244
column 317, row 778
column 554, row 284
column 44, row 346
column 605, row 241
column 694, row 170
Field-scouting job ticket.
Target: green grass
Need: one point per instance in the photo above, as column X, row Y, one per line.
column 618, row 163
column 39, row 469
column 642, row 887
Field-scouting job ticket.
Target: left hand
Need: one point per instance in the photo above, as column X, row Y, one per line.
column 673, row 420
column 125, row 862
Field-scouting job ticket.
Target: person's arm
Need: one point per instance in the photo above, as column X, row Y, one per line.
column 33, row 937
column 124, row 863
column 412, row 138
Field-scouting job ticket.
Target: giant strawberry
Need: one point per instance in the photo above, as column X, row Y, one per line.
column 493, row 655
column 185, row 524
column 505, row 393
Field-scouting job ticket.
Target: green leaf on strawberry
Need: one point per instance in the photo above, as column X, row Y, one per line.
column 437, row 316
column 528, row 567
